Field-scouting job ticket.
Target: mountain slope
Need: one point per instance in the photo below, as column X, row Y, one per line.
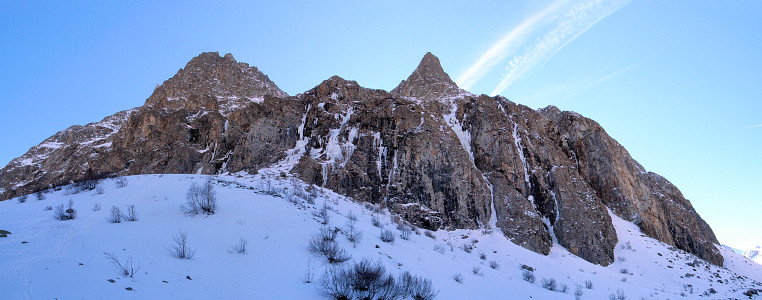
column 430, row 152
column 45, row 258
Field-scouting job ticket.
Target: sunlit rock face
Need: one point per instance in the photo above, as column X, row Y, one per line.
column 432, row 153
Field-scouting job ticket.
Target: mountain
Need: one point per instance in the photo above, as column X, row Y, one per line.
column 428, row 151
column 754, row 254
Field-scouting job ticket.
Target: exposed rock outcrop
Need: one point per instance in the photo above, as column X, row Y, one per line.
column 429, row 151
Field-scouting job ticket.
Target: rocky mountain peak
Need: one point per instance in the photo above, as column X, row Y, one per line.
column 540, row 177
column 428, row 82
column 210, row 75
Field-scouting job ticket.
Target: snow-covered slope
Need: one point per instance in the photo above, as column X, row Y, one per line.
column 44, row 258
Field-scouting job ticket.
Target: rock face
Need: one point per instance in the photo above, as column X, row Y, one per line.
column 429, row 151
column 645, row 198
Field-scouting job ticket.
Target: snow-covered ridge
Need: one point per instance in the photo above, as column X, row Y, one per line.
column 47, row 258
column 93, row 135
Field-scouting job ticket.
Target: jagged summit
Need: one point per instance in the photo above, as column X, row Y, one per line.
column 428, row 82
column 427, row 151
column 210, row 74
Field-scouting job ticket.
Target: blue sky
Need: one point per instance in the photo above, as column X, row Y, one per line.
column 678, row 83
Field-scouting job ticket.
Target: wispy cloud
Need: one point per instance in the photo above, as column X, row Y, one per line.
column 603, row 79
column 758, row 125
column 503, row 47
column 559, row 92
column 581, row 17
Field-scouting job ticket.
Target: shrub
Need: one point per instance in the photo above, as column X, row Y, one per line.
column 549, row 284
column 116, row 215
column 430, row 234
column 494, row 265
column 329, row 249
column 387, row 236
column 457, row 277
column 564, row 288
column 120, row 182
column 467, row 248
column 528, row 276
column 48, row 207
column 619, row 295
column 128, row 269
column 39, row 195
column 308, row 274
column 623, row 271
column 310, row 196
column 96, row 206
column 353, row 234
column 99, row 190
column 291, row 198
column 369, row 280
column 131, row 216
column 588, row 284
column 328, row 234
column 63, row 213
column 179, row 247
column 22, row 199
column 416, row 287
column 578, row 292
column 477, row 271
column 201, row 198
column 351, row 217
column 482, row 256
column 335, row 284
column 240, row 248
column 323, row 217
column 405, row 233
column 375, row 221
column 269, row 188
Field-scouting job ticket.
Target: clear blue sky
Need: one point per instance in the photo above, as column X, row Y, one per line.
column 678, row 83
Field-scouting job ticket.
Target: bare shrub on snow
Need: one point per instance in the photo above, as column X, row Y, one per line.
column 376, row 221
column 494, row 265
column 549, row 284
column 128, row 269
column 353, row 234
column 329, row 234
column 201, row 198
column 132, row 215
column 120, row 182
column 406, row 232
column 416, row 287
column 179, row 247
column 528, row 276
column 240, row 247
column 328, row 248
column 369, row 280
column 116, row 215
column 63, row 213
column 323, row 217
column 387, row 236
